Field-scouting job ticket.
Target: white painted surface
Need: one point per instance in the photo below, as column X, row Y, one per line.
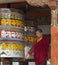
column 0, row 63
column 15, row 63
column 31, row 63
column 45, row 28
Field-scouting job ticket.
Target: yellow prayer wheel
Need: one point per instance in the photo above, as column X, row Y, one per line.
column 11, row 33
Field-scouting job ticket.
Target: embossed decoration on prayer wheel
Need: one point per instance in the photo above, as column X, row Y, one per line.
column 11, row 33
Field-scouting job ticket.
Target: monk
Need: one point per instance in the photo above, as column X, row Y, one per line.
column 40, row 49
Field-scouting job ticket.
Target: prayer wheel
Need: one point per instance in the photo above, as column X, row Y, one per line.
column 11, row 33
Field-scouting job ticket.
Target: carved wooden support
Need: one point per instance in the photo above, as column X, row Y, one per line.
column 54, row 37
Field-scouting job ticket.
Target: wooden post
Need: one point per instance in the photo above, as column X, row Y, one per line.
column 54, row 32
column 54, row 35
column 54, row 38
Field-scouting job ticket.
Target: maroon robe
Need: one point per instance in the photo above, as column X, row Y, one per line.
column 40, row 50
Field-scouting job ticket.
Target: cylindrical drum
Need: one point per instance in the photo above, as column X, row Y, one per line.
column 30, row 37
column 11, row 33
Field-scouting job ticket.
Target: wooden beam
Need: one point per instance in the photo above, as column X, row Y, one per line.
column 37, row 14
column 10, row 1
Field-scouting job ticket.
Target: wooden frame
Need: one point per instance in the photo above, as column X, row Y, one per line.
column 10, row 1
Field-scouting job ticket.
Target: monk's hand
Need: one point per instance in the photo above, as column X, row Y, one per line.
column 49, row 61
column 27, row 56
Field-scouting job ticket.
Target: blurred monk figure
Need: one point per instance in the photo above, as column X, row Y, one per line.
column 40, row 48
